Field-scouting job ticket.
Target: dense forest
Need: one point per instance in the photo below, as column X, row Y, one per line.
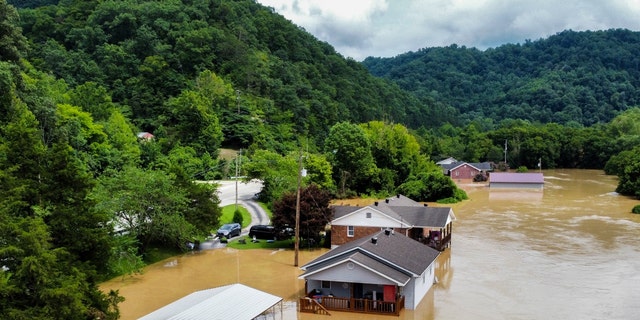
column 84, row 198
column 571, row 78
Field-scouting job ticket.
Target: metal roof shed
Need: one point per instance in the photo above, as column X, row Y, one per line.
column 235, row 301
column 530, row 180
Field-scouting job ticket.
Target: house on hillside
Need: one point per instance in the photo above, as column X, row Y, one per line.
column 379, row 273
column 432, row 226
column 145, row 136
column 524, row 180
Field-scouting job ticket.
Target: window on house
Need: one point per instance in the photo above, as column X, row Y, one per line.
column 326, row 285
column 350, row 231
column 369, row 215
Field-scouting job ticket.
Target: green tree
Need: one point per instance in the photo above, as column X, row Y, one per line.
column 12, row 41
column 193, row 122
column 45, row 275
column 629, row 183
column 278, row 173
column 349, row 152
column 431, row 186
column 396, row 153
column 94, row 99
column 147, row 204
column 126, row 149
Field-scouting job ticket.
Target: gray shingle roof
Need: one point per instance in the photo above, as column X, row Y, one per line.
column 484, row 166
column 403, row 209
column 426, row 217
column 395, row 251
column 399, row 276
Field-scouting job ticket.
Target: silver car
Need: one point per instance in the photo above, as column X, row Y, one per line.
column 229, row 230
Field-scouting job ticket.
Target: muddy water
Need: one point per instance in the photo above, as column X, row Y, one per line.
column 570, row 251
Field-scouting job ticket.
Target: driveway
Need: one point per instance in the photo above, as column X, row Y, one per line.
column 245, row 194
column 228, row 191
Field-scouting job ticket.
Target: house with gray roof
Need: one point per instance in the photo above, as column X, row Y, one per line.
column 379, row 273
column 432, row 226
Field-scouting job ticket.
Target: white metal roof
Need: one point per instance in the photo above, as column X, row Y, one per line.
column 235, row 301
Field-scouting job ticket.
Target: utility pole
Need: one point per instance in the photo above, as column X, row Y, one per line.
column 237, row 169
column 297, row 229
column 505, row 152
column 238, row 100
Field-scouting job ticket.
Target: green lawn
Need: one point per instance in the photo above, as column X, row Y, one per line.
column 261, row 244
column 227, row 215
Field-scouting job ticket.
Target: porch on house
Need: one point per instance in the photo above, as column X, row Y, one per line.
column 352, row 297
column 438, row 239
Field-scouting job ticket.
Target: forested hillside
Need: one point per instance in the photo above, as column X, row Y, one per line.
column 272, row 81
column 578, row 78
column 83, row 197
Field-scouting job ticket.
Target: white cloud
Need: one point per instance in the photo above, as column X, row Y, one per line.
column 361, row 28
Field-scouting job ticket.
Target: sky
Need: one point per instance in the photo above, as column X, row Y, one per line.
column 386, row 28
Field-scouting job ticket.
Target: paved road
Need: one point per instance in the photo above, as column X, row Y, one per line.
column 245, row 196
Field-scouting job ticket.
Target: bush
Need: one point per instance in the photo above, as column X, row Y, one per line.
column 636, row 209
column 522, row 169
column 237, row 217
column 480, row 177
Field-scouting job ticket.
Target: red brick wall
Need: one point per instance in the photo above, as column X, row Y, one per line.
column 339, row 233
column 463, row 172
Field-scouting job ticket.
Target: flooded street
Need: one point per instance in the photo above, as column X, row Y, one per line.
column 570, row 251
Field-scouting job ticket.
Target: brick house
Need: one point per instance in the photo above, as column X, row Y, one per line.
column 429, row 225
column 461, row 170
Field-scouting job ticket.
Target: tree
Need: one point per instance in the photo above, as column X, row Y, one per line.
column 349, row 152
column 315, row 212
column 431, row 186
column 192, row 121
column 396, row 153
column 48, row 248
column 278, row 173
column 11, row 39
column 72, row 221
column 147, row 204
column 126, row 149
column 94, row 99
column 629, row 175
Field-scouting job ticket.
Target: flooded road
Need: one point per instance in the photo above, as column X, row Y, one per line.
column 570, row 251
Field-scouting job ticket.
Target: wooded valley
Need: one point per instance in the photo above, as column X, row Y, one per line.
column 112, row 109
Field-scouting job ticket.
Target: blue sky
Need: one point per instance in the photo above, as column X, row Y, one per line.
column 386, row 28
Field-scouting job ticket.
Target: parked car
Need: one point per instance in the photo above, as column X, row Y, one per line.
column 229, row 230
column 262, row 231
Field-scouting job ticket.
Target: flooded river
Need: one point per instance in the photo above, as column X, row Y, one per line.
column 570, row 251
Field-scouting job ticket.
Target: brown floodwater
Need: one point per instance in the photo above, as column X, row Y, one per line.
column 570, row 251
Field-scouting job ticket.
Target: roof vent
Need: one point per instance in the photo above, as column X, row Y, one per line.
column 387, row 232
column 426, row 205
column 398, row 195
column 376, row 203
column 374, row 240
column 386, row 200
